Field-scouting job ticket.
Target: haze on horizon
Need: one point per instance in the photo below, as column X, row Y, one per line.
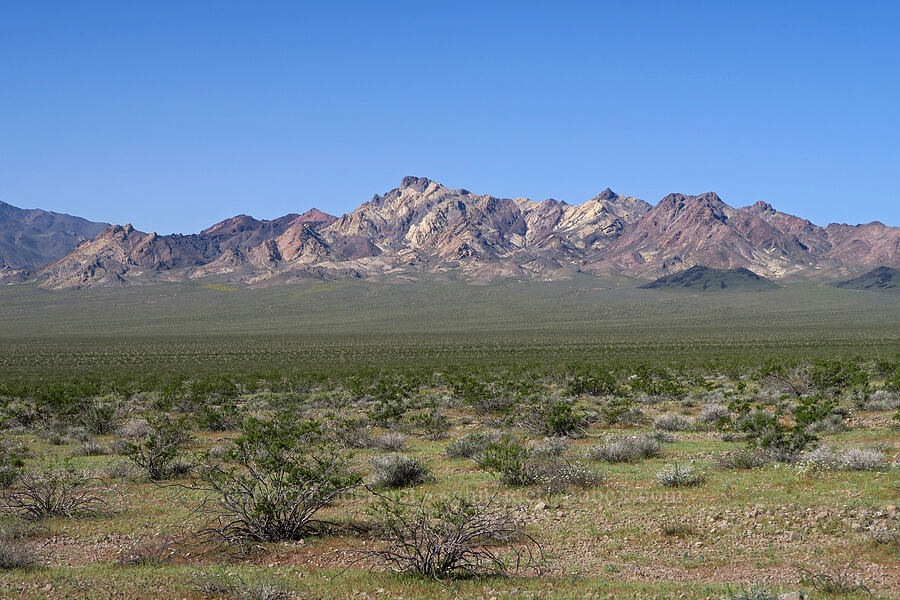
column 173, row 117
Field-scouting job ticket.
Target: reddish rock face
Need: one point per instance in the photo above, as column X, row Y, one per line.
column 422, row 226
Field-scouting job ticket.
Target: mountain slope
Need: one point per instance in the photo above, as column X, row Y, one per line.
column 121, row 255
column 703, row 279
column 881, row 278
column 682, row 231
column 30, row 238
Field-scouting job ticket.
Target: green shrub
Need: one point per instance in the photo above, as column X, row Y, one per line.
column 434, row 423
column 280, row 474
column 218, row 417
column 99, row 417
column 509, row 458
column 157, row 452
column 555, row 418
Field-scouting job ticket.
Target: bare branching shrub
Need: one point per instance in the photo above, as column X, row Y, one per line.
column 472, row 445
column 79, row 434
column 835, row 579
column 121, row 470
column 55, row 492
column 279, row 475
column 852, row 459
column 390, row 442
column 672, row 423
column 680, row 476
column 352, row 433
column 134, row 429
column 152, row 551
column 156, row 453
column 747, row 458
column 452, row 538
column 627, row 449
column 396, row 470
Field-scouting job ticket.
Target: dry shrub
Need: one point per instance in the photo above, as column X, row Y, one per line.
column 55, row 492
column 399, row 470
column 452, row 538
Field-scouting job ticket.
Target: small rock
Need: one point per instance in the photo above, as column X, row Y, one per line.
column 794, row 537
column 540, row 506
column 790, row 596
column 821, row 515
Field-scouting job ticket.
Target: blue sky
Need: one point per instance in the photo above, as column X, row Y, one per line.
column 175, row 115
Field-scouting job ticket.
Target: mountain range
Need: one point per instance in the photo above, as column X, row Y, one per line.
column 423, row 227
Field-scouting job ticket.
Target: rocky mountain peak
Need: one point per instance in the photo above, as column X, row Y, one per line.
column 417, row 184
column 606, row 194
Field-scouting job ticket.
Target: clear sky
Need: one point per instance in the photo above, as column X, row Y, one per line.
column 174, row 115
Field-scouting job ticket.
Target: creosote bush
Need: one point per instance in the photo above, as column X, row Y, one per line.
column 434, row 423
column 156, row 453
column 278, row 475
column 12, row 461
column 555, row 418
column 99, row 417
column 457, row 537
column 55, row 492
column 399, row 470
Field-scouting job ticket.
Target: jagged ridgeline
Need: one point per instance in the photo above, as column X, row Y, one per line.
column 424, row 228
